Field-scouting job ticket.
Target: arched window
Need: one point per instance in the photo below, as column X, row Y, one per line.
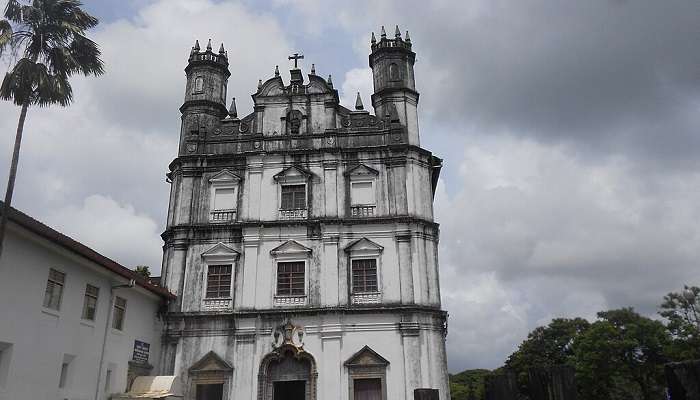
column 394, row 72
column 198, row 84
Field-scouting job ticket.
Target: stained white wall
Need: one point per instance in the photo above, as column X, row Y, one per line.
column 40, row 338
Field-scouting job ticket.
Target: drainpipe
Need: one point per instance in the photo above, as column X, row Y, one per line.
column 113, row 297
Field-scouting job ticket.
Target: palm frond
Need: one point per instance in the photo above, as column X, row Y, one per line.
column 5, row 35
column 51, row 36
column 86, row 54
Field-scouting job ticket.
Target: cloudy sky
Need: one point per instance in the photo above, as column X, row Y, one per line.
column 570, row 132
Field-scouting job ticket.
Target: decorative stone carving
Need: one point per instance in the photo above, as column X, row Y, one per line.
column 288, row 334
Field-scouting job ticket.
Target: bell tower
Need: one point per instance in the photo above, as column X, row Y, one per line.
column 205, row 93
column 392, row 62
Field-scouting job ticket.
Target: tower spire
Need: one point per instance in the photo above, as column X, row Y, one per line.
column 277, row 70
column 313, row 69
column 397, row 34
column 259, row 84
column 358, row 103
column 330, row 80
column 373, row 40
column 221, row 49
column 209, row 45
column 196, row 45
column 232, row 110
column 383, row 33
column 408, row 38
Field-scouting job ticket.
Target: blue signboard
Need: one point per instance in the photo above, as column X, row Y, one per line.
column 141, row 350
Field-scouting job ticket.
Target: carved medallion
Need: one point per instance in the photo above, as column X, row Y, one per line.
column 330, row 140
column 217, row 131
column 256, row 144
column 191, row 147
column 243, row 127
column 288, row 334
column 345, row 122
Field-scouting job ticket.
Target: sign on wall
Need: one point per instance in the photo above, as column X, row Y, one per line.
column 141, row 350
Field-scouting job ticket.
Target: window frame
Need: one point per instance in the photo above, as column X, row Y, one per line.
column 54, row 283
column 224, row 179
column 207, row 277
column 123, row 308
column 305, row 191
column 87, row 296
column 353, row 291
column 373, row 190
column 195, row 88
column 305, row 272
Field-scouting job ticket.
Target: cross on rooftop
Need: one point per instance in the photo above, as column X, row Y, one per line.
column 296, row 57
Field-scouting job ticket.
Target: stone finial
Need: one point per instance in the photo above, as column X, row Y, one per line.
column 221, row 49
column 397, row 34
column 383, row 33
column 259, row 84
column 196, row 45
column 373, row 40
column 408, row 38
column 232, row 112
column 209, row 45
column 277, row 70
column 358, row 103
column 330, row 80
column 313, row 69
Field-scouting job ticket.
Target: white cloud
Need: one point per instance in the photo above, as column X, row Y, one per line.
column 357, row 80
column 115, row 230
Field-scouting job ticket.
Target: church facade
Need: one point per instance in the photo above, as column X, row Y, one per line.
column 300, row 240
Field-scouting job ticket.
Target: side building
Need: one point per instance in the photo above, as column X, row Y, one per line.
column 73, row 323
column 300, row 239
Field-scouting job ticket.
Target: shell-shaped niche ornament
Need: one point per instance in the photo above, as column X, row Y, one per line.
column 288, row 334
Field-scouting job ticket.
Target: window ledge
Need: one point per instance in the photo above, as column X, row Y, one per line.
column 289, row 301
column 366, row 298
column 51, row 312
column 117, row 332
column 219, row 216
column 296, row 213
column 88, row 323
column 217, row 304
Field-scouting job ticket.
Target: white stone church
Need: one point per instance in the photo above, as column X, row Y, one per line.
column 300, row 240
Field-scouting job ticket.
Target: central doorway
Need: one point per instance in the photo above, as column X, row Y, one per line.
column 289, row 390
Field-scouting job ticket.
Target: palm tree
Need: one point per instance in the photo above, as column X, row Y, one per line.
column 49, row 36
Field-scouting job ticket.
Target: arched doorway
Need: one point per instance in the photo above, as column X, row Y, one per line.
column 288, row 373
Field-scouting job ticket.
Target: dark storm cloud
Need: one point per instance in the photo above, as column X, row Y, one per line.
column 615, row 76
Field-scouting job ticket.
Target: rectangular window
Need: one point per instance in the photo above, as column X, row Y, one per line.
column 90, row 302
column 364, row 276
column 108, row 380
column 362, row 193
column 219, row 281
column 293, row 197
column 224, row 199
column 119, row 313
column 367, row 389
column 290, row 278
column 54, row 289
column 64, row 378
column 5, row 356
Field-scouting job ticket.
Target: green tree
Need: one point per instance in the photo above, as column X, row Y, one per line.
column 468, row 384
column 682, row 311
column 546, row 346
column 143, row 270
column 621, row 357
column 49, row 37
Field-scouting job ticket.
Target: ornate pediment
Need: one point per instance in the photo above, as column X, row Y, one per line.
column 363, row 245
column 291, row 248
column 211, row 363
column 220, row 252
column 293, row 173
column 224, row 177
column 272, row 87
column 366, row 357
column 362, row 170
